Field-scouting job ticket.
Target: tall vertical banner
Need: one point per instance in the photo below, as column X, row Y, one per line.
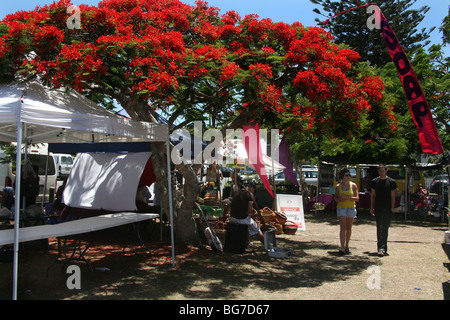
column 418, row 104
column 285, row 155
column 251, row 141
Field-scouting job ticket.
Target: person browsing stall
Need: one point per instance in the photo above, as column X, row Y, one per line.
column 346, row 196
column 8, row 194
column 29, row 185
column 422, row 194
column 241, row 206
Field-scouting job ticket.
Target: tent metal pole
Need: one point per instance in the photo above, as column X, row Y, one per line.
column 406, row 193
column 17, row 209
column 25, row 158
column 45, row 182
column 448, row 188
column 169, row 184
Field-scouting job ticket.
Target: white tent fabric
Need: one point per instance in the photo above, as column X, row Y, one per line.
column 105, row 181
column 33, row 113
column 58, row 115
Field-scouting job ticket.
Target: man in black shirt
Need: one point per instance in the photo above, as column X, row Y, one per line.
column 382, row 204
column 241, row 205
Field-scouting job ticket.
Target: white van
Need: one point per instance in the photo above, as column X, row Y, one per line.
column 310, row 174
column 64, row 163
column 37, row 156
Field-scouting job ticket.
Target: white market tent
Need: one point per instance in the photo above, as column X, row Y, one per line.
column 33, row 113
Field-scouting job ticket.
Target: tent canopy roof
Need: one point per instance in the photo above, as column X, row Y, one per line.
column 63, row 115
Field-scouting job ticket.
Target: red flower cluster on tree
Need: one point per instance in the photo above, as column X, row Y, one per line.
column 229, row 71
column 167, row 51
column 261, row 71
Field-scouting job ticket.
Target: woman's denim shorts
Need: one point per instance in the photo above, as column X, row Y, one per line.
column 346, row 212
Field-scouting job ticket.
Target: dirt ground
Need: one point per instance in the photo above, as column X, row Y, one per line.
column 417, row 267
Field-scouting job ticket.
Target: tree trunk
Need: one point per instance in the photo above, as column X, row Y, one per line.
column 185, row 227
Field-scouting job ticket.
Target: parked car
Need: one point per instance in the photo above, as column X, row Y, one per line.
column 248, row 171
column 311, row 176
column 439, row 185
column 226, row 171
column 64, row 163
column 309, row 173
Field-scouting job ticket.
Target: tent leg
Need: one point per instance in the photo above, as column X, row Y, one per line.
column 17, row 210
column 45, row 183
column 169, row 184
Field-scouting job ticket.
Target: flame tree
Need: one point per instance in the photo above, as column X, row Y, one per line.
column 195, row 63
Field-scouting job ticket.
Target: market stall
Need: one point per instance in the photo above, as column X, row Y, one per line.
column 33, row 113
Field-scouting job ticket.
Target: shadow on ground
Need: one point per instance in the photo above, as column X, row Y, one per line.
column 199, row 273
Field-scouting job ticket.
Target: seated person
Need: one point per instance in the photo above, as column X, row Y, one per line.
column 441, row 206
column 59, row 207
column 241, row 207
column 422, row 204
column 59, row 202
column 143, row 197
column 155, row 199
column 421, row 191
column 29, row 185
column 8, row 194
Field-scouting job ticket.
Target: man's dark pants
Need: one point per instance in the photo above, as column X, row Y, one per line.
column 383, row 218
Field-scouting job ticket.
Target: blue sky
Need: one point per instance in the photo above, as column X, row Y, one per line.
column 280, row 10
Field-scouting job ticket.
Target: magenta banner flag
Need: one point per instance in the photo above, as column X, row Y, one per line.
column 285, row 154
column 418, row 104
column 254, row 153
